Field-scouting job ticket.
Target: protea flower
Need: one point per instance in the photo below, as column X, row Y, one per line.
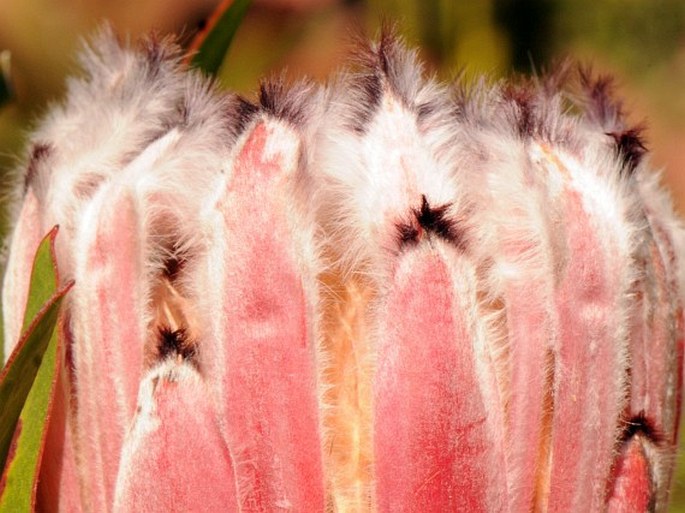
column 380, row 294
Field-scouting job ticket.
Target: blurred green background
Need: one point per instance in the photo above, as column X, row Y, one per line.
column 641, row 42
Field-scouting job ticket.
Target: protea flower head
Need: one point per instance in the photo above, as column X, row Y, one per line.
column 380, row 294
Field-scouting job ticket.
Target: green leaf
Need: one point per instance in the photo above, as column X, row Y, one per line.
column 44, row 278
column 18, row 486
column 212, row 43
column 5, row 85
column 40, row 319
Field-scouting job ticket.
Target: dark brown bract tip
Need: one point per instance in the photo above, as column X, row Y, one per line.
column 40, row 152
column 522, row 97
column 383, row 66
column 602, row 108
column 173, row 267
column 556, row 78
column 407, row 234
column 288, row 103
column 244, row 112
column 428, row 219
column 238, row 114
column 175, row 343
column 630, row 147
column 158, row 49
column 640, row 424
column 434, row 219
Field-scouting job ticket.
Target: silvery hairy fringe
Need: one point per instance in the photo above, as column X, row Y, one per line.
column 380, row 294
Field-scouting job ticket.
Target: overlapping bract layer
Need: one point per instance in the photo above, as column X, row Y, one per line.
column 385, row 294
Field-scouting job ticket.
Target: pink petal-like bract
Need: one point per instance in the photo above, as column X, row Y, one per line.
column 435, row 446
column 107, row 352
column 261, row 354
column 174, row 458
column 633, row 488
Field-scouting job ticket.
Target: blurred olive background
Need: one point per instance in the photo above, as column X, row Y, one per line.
column 641, row 42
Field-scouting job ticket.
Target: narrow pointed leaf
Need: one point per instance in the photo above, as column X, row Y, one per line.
column 209, row 48
column 44, row 278
column 18, row 375
column 18, row 485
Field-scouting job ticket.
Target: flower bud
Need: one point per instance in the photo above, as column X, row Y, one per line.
column 380, row 294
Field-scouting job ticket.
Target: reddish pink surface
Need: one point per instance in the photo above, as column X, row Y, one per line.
column 670, row 341
column 58, row 485
column 270, row 401
column 653, row 346
column 108, row 347
column 182, row 465
column 529, row 328
column 680, row 355
column 641, row 322
column 433, row 451
column 587, row 400
column 632, row 490
column 660, row 347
